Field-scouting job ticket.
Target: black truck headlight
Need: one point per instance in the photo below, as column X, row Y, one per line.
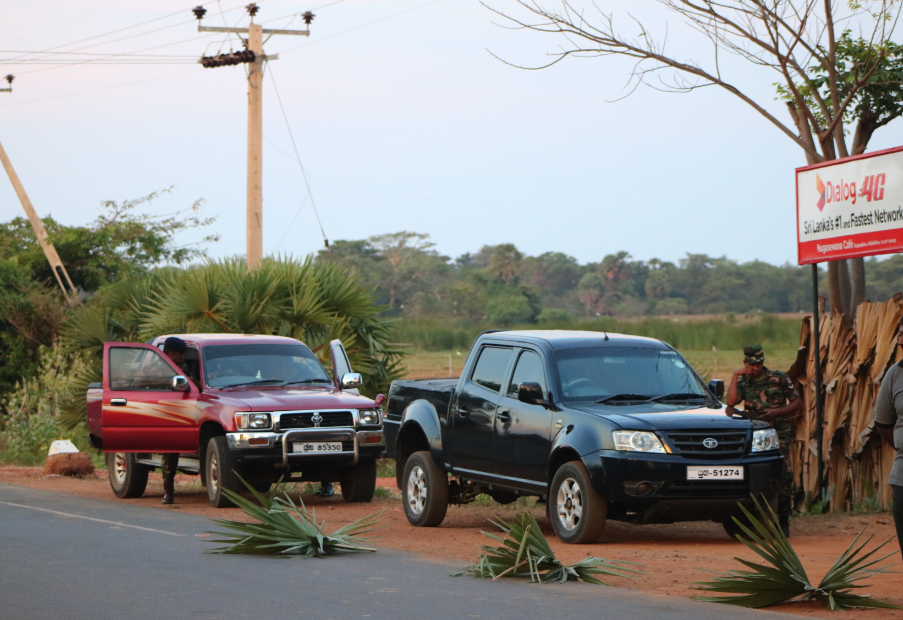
column 369, row 417
column 765, row 439
column 637, row 441
column 253, row 421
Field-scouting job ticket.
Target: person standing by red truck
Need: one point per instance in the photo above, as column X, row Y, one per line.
column 174, row 348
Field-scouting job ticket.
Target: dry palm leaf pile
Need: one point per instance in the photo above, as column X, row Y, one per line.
column 526, row 551
column 854, row 359
column 783, row 578
column 287, row 530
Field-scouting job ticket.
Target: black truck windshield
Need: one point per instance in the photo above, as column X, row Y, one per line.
column 621, row 375
column 230, row 365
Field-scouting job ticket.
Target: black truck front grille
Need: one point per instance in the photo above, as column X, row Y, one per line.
column 703, row 444
column 329, row 419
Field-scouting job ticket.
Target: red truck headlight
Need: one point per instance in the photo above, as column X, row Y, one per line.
column 369, row 417
column 253, row 421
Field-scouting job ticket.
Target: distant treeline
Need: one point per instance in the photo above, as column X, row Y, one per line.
column 503, row 286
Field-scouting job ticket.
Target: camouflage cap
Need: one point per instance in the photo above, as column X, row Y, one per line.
column 753, row 354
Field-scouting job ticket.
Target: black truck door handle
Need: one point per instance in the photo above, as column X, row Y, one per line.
column 462, row 411
column 504, row 416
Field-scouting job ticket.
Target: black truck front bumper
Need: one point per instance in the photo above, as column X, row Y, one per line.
column 654, row 488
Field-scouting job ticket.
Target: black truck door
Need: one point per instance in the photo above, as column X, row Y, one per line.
column 522, row 430
column 473, row 410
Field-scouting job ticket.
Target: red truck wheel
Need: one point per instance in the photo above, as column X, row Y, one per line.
column 220, row 474
column 359, row 482
column 424, row 490
column 128, row 478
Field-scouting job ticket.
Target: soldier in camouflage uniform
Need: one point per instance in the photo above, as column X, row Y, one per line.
column 767, row 395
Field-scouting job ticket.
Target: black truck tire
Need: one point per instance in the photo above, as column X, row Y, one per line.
column 424, row 491
column 128, row 477
column 219, row 473
column 359, row 482
column 576, row 510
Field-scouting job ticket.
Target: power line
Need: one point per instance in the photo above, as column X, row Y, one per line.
column 94, row 90
column 416, row 8
column 140, row 34
column 300, row 165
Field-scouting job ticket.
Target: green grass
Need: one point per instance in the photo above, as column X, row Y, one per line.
column 690, row 333
column 385, row 468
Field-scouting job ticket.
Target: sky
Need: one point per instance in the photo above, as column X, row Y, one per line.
column 404, row 120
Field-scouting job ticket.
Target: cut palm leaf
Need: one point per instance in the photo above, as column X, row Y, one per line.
column 526, row 551
column 285, row 529
column 784, row 577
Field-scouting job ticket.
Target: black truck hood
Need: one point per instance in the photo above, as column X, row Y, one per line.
column 702, row 417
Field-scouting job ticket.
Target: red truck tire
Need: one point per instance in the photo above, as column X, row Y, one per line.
column 128, row 478
column 220, row 473
column 359, row 482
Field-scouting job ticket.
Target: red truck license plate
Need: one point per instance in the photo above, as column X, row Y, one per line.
column 316, row 447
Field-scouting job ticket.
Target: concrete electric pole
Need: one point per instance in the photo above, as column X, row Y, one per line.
column 255, row 58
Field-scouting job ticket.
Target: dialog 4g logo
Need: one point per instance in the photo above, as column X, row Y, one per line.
column 871, row 188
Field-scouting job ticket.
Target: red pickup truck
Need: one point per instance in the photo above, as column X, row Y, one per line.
column 262, row 407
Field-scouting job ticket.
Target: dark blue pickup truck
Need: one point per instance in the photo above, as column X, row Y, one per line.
column 600, row 426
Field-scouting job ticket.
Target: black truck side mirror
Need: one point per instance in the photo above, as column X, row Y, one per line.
column 530, row 393
column 717, row 388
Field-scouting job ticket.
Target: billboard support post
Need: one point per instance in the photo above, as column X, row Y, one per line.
column 819, row 414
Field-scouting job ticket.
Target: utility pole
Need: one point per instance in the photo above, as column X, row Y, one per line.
column 255, row 58
column 38, row 226
column 59, row 271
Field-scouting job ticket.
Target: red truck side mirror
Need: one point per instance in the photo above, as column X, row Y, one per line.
column 380, row 399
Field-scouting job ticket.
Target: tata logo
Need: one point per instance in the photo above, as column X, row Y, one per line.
column 710, row 443
column 317, row 419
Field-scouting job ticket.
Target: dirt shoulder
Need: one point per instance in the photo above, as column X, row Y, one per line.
column 674, row 556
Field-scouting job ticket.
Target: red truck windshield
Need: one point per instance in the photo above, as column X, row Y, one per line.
column 231, row 365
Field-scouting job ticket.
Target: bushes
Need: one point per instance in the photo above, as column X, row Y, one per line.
column 33, row 410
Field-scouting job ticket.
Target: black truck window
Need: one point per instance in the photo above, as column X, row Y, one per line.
column 528, row 370
column 491, row 367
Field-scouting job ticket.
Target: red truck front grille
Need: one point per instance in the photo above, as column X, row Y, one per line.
column 330, row 419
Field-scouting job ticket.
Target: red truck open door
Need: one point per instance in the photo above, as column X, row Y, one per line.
column 143, row 411
column 340, row 366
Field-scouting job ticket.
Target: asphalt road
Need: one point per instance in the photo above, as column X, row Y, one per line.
column 73, row 558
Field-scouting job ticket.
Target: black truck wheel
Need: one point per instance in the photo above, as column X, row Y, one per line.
column 424, row 491
column 576, row 510
column 220, row 474
column 359, row 482
column 128, row 477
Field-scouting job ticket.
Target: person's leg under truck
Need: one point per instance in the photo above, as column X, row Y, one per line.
column 168, row 465
column 785, row 494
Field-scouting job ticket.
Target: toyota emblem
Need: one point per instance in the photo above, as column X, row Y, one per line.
column 710, row 443
column 317, row 419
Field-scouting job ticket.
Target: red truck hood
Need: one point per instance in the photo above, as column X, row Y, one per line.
column 292, row 399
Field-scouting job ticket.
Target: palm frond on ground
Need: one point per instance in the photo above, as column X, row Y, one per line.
column 315, row 303
column 525, row 551
column 286, row 530
column 783, row 578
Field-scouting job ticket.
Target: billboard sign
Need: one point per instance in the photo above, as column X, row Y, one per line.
column 850, row 207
